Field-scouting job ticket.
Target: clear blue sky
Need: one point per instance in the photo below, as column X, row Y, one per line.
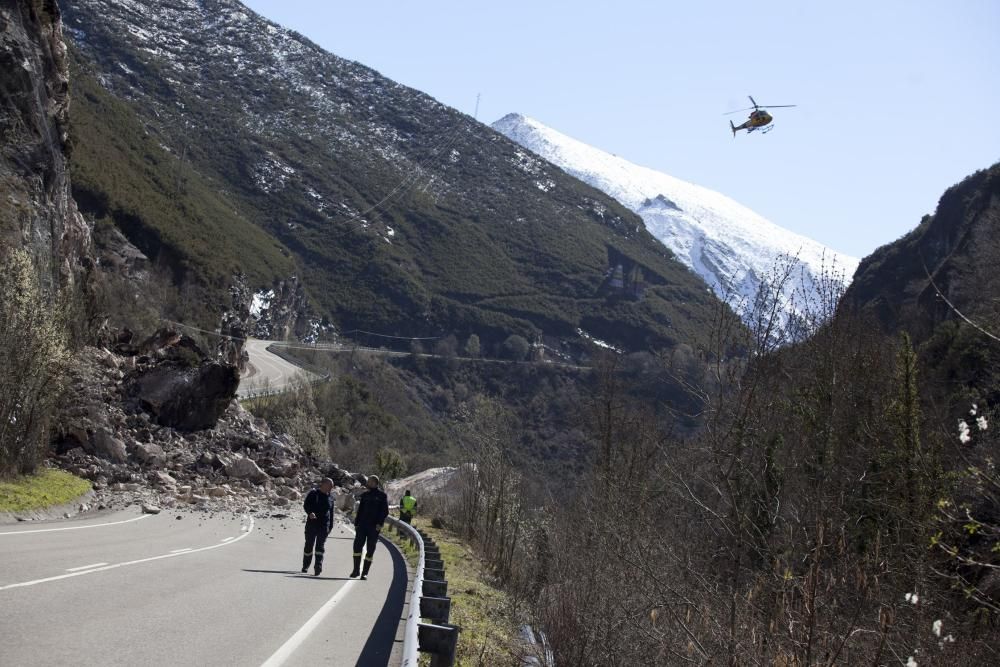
column 897, row 100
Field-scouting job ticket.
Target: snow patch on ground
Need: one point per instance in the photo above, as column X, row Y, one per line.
column 260, row 302
column 271, row 174
column 597, row 341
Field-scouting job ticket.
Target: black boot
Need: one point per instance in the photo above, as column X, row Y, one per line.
column 368, row 566
column 357, row 566
column 306, row 560
column 319, row 564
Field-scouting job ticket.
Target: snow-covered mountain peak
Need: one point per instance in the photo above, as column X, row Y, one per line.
column 732, row 248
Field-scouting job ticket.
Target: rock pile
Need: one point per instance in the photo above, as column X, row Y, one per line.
column 145, row 429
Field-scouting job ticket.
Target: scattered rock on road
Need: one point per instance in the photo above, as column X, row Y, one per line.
column 164, row 479
column 240, row 467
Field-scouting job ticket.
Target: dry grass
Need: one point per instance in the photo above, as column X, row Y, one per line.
column 483, row 611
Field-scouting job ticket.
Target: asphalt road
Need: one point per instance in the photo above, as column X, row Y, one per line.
column 267, row 370
column 133, row 589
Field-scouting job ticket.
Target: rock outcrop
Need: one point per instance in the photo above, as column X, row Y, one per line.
column 958, row 246
column 37, row 211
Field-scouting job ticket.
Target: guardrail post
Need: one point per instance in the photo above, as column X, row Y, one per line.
column 440, row 641
column 435, row 609
column 434, row 588
column 434, row 573
column 434, row 563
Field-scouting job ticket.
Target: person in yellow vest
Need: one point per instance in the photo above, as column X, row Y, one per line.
column 407, row 507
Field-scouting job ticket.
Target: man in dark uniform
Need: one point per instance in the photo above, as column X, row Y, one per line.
column 372, row 512
column 319, row 521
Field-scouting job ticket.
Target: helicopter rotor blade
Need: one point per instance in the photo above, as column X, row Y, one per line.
column 753, row 101
column 777, row 106
column 738, row 111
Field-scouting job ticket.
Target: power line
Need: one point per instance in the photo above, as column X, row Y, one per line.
column 343, row 333
column 407, row 183
column 204, row 331
column 394, row 337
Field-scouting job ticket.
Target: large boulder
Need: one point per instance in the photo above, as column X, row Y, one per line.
column 345, row 501
column 164, row 479
column 108, row 447
column 187, row 398
column 240, row 467
column 283, row 468
column 149, row 454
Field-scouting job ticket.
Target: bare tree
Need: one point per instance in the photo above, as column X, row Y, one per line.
column 35, row 356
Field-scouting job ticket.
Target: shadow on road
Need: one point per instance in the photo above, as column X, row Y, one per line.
column 295, row 574
column 378, row 648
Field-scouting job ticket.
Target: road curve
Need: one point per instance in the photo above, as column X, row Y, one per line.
column 205, row 589
column 267, row 370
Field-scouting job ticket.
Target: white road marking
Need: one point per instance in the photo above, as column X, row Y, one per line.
column 180, row 551
column 131, row 562
column 96, row 525
column 285, row 651
column 226, row 539
column 288, row 648
column 84, row 567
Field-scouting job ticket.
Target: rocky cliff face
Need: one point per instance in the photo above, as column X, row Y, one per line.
column 280, row 312
column 958, row 246
column 37, row 211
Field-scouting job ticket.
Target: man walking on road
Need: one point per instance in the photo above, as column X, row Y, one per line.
column 372, row 512
column 319, row 521
column 407, row 507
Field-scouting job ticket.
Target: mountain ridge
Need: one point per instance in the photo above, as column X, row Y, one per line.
column 732, row 248
column 400, row 214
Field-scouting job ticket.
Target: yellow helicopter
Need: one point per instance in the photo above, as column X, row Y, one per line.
column 759, row 118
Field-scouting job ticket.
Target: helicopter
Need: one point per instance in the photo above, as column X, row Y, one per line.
column 759, row 118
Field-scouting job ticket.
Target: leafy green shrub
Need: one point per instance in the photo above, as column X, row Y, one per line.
column 472, row 347
column 389, row 463
column 515, row 347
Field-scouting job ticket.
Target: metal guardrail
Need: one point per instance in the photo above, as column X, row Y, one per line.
column 428, row 599
column 411, row 639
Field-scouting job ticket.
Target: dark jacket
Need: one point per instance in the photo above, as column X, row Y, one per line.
column 372, row 510
column 321, row 505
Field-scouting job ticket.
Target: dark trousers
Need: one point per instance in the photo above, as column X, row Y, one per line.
column 316, row 533
column 405, row 517
column 365, row 538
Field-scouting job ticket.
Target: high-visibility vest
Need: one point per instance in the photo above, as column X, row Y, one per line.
column 407, row 504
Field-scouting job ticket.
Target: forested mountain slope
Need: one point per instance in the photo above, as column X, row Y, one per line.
column 253, row 150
